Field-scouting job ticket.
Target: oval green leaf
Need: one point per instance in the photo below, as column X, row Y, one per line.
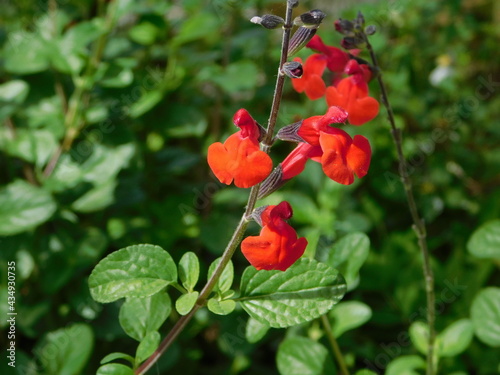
column 405, row 365
column 189, row 270
column 303, row 292
column 349, row 315
column 419, row 335
column 485, row 315
column 455, row 338
column 23, row 207
column 135, row 271
column 147, row 346
column 185, row 303
column 301, row 356
column 226, row 278
column 139, row 316
column 117, row 355
column 114, row 369
column 221, row 307
column 485, row 241
column 255, row 330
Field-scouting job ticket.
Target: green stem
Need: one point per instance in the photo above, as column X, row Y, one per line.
column 243, row 224
column 335, row 346
column 82, row 86
column 418, row 223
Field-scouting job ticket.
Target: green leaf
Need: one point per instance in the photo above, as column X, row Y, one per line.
column 147, row 346
column 114, row 369
column 97, row 198
column 139, row 316
column 405, row 365
column 238, row 76
column 26, row 53
column 365, row 372
column 117, row 355
column 144, row 33
column 198, row 26
column 455, row 338
column 135, row 271
column 348, row 255
column 301, row 356
column 145, row 103
column 485, row 315
column 303, row 292
column 255, row 330
column 225, row 280
column 67, row 350
column 12, row 95
column 224, row 307
column 349, row 315
column 185, row 303
column 419, row 334
column 23, row 207
column 485, row 241
column 189, row 270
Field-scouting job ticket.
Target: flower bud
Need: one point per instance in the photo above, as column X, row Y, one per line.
column 301, row 37
column 311, row 19
column 352, row 42
column 370, row 29
column 292, row 69
column 344, row 27
column 269, row 21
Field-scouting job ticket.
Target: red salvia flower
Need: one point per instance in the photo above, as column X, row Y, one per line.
column 277, row 247
column 310, row 128
column 352, row 94
column 336, row 59
column 311, row 82
column 343, row 157
column 240, row 159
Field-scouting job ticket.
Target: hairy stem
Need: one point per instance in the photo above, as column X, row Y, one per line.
column 418, row 223
column 335, row 347
column 243, row 224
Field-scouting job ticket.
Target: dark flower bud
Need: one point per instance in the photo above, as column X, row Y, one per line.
column 272, row 183
column 344, row 27
column 311, row 19
column 370, row 29
column 301, row 37
column 289, row 133
column 269, row 21
column 360, row 19
column 292, row 69
column 352, row 42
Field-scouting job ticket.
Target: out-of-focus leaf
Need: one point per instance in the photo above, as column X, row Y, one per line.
column 255, row 330
column 147, row 346
column 349, row 315
column 405, row 365
column 114, row 369
column 454, row 339
column 23, row 207
column 26, row 53
column 485, row 315
column 485, row 241
column 419, row 334
column 301, row 356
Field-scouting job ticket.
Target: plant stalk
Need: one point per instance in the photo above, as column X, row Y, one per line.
column 335, row 346
column 243, row 224
column 418, row 222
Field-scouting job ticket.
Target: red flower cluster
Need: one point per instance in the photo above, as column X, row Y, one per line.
column 277, row 246
column 240, row 159
column 341, row 156
column 350, row 93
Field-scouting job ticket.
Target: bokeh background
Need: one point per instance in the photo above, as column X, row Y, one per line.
column 135, row 91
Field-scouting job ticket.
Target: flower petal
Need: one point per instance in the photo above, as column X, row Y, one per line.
column 359, row 156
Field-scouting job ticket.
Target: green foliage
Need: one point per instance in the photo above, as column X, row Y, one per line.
column 133, row 92
column 303, row 292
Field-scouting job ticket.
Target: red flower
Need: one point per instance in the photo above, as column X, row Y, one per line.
column 352, row 94
column 277, row 247
column 310, row 128
column 311, row 82
column 240, row 159
column 343, row 156
column 336, row 58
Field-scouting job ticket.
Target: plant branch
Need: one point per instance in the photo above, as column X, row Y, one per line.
column 418, row 223
column 243, row 224
column 335, row 347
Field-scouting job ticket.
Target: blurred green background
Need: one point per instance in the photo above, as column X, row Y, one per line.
column 135, row 91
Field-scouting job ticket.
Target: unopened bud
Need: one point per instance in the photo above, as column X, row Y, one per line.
column 344, row 27
column 311, row 19
column 301, row 37
column 352, row 42
column 292, row 69
column 370, row 29
column 290, row 133
column 269, row 21
column 360, row 19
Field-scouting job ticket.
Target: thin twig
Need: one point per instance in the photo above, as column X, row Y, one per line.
column 241, row 228
column 335, row 346
column 418, row 223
